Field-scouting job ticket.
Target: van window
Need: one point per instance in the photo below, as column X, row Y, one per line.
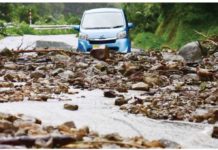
column 103, row 20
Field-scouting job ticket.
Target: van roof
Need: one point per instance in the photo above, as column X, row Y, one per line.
column 103, row 10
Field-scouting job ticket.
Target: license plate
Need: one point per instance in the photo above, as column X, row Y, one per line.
column 99, row 46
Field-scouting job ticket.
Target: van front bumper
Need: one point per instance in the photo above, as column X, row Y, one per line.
column 120, row 45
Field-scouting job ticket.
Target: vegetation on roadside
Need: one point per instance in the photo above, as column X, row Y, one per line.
column 171, row 25
column 157, row 25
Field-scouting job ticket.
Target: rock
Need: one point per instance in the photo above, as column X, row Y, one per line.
column 67, row 126
column 101, row 67
column 7, row 117
column 101, row 54
column 71, row 107
column 216, row 54
column 5, row 125
column 120, row 101
column 57, row 71
column 60, row 58
column 140, row 86
column 66, row 75
column 109, row 94
column 113, row 137
column 172, row 57
column 215, row 132
column 6, row 84
column 152, row 79
column 10, row 66
column 122, row 89
column 37, row 74
column 11, row 77
column 154, row 143
column 191, row 52
column 170, row 144
column 6, row 52
column 82, row 65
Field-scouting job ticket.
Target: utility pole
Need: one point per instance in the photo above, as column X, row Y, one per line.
column 30, row 17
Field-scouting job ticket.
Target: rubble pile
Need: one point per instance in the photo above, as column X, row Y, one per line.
column 173, row 88
column 21, row 131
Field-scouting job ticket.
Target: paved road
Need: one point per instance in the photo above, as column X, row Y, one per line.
column 100, row 114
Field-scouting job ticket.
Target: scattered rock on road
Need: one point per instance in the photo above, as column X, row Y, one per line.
column 110, row 94
column 140, row 86
column 71, row 107
column 191, row 52
column 215, row 132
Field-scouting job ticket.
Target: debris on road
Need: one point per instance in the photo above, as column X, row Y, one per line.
column 71, row 107
column 173, row 89
column 20, row 131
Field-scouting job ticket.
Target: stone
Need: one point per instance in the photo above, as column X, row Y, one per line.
column 216, row 54
column 6, row 52
column 57, row 71
column 170, row 144
column 37, row 74
column 191, row 52
column 101, row 54
column 11, row 77
column 66, row 75
column 152, row 79
column 109, row 94
column 5, row 126
column 67, row 126
column 60, row 58
column 6, row 84
column 172, row 57
column 120, row 101
column 10, row 66
column 71, row 107
column 215, row 132
column 140, row 86
column 82, row 65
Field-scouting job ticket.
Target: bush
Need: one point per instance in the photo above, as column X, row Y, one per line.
column 2, row 28
column 148, row 40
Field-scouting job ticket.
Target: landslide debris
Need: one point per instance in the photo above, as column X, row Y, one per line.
column 174, row 88
column 21, row 131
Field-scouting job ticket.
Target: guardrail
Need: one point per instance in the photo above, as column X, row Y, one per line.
column 47, row 27
column 43, row 27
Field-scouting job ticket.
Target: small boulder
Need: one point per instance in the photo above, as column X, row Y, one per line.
column 101, row 54
column 172, row 57
column 37, row 74
column 57, row 71
column 191, row 52
column 140, row 86
column 71, row 107
column 120, row 101
column 215, row 132
column 109, row 94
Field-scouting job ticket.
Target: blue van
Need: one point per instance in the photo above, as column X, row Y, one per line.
column 104, row 27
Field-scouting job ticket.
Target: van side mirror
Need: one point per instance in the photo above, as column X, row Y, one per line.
column 130, row 25
column 76, row 27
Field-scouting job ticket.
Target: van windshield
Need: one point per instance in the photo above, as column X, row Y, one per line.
column 104, row 20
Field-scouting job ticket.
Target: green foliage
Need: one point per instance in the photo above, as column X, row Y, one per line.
column 148, row 40
column 2, row 28
column 144, row 16
column 24, row 28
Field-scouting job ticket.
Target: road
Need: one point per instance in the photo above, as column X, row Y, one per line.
column 100, row 113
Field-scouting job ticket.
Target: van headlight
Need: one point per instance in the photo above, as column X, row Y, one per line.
column 121, row 35
column 83, row 36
